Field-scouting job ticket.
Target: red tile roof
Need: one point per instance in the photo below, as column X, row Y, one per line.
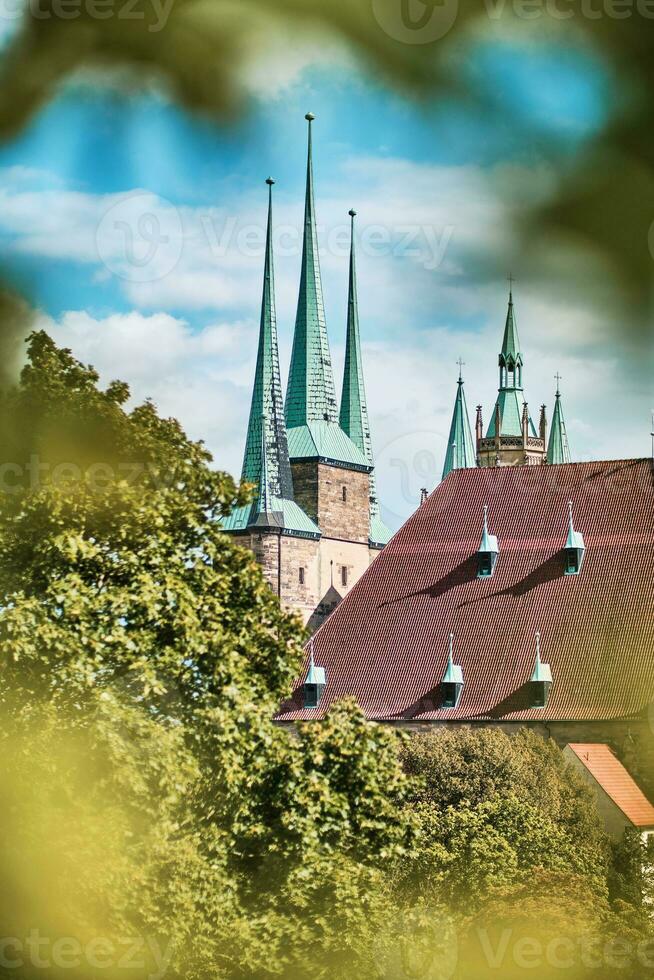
column 386, row 643
column 616, row 782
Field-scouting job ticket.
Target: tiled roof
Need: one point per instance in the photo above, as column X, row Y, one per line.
column 325, row 440
column 387, row 642
column 616, row 782
column 285, row 514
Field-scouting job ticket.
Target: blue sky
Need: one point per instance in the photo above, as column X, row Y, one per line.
column 137, row 231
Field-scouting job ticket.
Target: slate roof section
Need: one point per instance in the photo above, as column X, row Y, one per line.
column 386, row 643
column 607, row 770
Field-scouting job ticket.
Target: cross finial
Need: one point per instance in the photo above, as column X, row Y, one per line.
column 510, row 281
column 461, row 364
column 558, row 379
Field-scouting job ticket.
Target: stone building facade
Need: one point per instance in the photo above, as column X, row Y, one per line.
column 315, row 523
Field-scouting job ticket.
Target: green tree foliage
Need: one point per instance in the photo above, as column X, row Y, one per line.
column 143, row 657
column 492, row 808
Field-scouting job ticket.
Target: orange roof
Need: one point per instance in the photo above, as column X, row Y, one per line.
column 616, row 782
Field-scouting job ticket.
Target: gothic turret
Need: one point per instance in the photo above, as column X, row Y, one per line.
column 511, row 438
column 558, row 450
column 460, row 452
column 266, row 460
column 311, row 408
column 354, row 409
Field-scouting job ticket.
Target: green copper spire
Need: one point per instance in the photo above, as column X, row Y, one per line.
column 311, row 408
column 510, row 359
column 311, row 396
column 558, row 449
column 510, row 400
column 266, row 461
column 354, row 409
column 460, row 448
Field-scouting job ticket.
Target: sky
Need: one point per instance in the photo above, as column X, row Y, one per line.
column 138, row 233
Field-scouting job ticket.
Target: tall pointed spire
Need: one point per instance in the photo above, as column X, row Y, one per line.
column 510, row 400
column 311, row 407
column 558, row 449
column 354, row 409
column 311, row 395
column 266, row 460
column 460, row 452
column 510, row 356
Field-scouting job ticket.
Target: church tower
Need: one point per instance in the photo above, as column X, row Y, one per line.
column 282, row 536
column 460, row 453
column 511, row 438
column 331, row 474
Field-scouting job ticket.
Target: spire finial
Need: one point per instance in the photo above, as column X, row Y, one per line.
column 270, row 181
column 352, row 213
column 510, row 281
column 311, row 660
column 538, row 647
column 309, row 117
column 461, row 364
column 485, row 517
column 558, row 379
column 451, row 646
column 570, row 512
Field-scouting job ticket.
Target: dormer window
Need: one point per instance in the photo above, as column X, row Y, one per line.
column 488, row 551
column 575, row 548
column 314, row 684
column 541, row 680
column 452, row 683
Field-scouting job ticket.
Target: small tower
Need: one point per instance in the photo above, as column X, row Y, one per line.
column 511, row 438
column 575, row 548
column 452, row 683
column 460, row 453
column 558, row 450
column 314, row 684
column 354, row 408
column 273, row 525
column 541, row 680
column 489, row 551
